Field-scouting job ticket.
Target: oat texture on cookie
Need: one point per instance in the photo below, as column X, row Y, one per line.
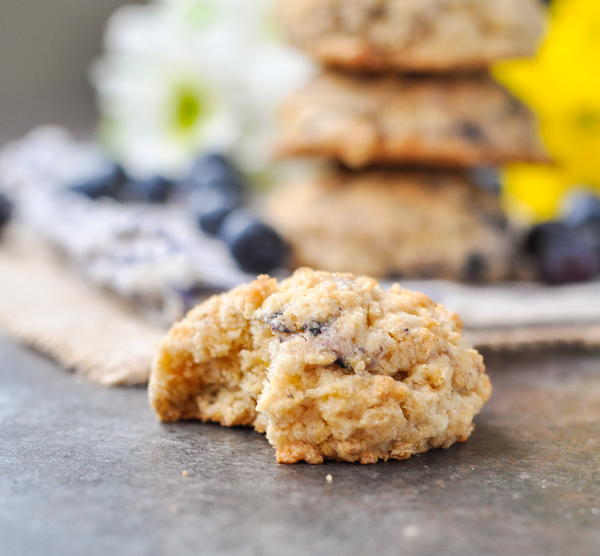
column 413, row 35
column 330, row 366
column 413, row 224
column 448, row 122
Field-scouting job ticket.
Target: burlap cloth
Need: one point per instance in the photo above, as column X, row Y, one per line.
column 46, row 305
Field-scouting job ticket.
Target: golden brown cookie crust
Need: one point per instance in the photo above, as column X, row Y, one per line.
column 450, row 122
column 395, row 223
column 413, row 35
column 338, row 368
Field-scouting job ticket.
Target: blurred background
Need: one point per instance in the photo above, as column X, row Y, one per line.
column 162, row 83
column 45, row 50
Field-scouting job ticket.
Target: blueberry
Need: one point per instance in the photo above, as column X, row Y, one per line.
column 471, row 131
column 475, row 267
column 394, row 276
column 563, row 254
column 315, row 328
column 540, row 234
column 210, row 220
column 343, row 364
column 106, row 183
column 211, row 168
column 582, row 209
column 212, row 204
column 255, row 246
column 6, row 210
column 495, row 220
column 155, row 189
column 487, row 178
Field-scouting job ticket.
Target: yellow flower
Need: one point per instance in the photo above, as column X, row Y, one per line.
column 562, row 85
column 533, row 192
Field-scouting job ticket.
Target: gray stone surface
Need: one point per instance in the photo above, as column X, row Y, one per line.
column 86, row 470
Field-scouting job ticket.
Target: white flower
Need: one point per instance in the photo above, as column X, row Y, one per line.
column 182, row 76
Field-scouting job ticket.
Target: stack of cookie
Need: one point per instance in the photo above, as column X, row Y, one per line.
column 407, row 110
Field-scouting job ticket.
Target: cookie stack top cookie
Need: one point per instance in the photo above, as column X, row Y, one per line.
column 413, row 35
column 406, row 81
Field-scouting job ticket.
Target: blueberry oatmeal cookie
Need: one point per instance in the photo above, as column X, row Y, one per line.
column 413, row 35
column 331, row 366
column 441, row 121
column 395, row 223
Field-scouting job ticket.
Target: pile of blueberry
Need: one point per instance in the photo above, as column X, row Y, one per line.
column 111, row 181
column 568, row 250
column 215, row 192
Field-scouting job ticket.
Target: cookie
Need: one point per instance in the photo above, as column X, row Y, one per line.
column 413, row 35
column 395, row 223
column 331, row 366
column 450, row 121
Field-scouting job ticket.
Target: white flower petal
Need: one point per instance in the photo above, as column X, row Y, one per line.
column 224, row 50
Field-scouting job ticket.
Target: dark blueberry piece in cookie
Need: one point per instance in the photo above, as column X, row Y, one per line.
column 566, row 255
column 256, row 247
column 582, row 209
column 212, row 204
column 277, row 324
column 394, row 276
column 495, row 220
column 155, row 189
column 106, row 183
column 214, row 168
column 471, row 131
column 281, row 328
column 6, row 210
column 315, row 328
column 487, row 178
column 340, row 362
column 475, row 268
